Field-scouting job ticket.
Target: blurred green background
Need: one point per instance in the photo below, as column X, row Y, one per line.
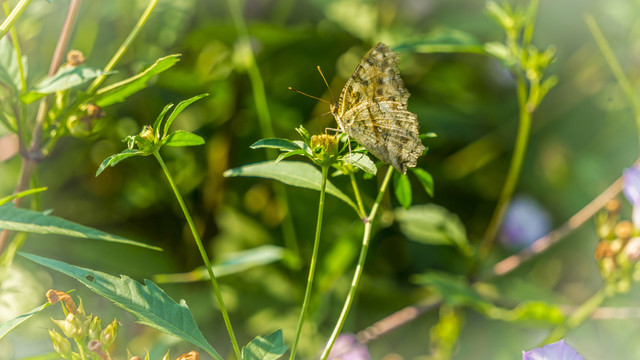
column 583, row 136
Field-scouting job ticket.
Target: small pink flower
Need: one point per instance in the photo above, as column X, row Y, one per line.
column 631, row 190
column 347, row 347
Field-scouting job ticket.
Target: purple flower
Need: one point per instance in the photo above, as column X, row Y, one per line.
column 631, row 190
column 525, row 222
column 347, row 347
column 556, row 351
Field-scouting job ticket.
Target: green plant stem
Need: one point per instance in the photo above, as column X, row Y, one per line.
column 203, row 253
column 16, row 46
column 314, row 260
column 124, row 47
column 17, row 11
column 581, row 314
column 354, row 184
column 513, row 174
column 264, row 117
column 616, row 69
column 360, row 266
column 80, row 344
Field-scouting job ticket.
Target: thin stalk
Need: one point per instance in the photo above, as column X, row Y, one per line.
column 354, row 184
column 360, row 266
column 581, row 314
column 515, row 167
column 264, row 117
column 314, row 260
column 17, row 11
column 203, row 253
column 83, row 356
column 16, row 47
column 616, row 69
column 124, row 47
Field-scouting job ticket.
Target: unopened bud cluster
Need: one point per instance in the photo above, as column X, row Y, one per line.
column 85, row 330
column 618, row 251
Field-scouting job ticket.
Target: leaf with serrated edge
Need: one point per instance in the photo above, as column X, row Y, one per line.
column 11, row 324
column 16, row 219
column 271, row 347
column 292, row 173
column 183, row 138
column 181, row 106
column 148, row 304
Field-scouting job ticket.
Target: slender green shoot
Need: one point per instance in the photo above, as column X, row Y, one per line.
column 314, row 260
column 203, row 253
column 11, row 19
column 360, row 266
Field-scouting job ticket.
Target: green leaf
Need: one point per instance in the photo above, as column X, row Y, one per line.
column 17, row 219
column 445, row 41
column 119, row 91
column 148, row 304
column 276, row 143
column 9, row 70
column 65, row 78
column 425, row 179
column 292, row 173
column 6, row 199
column 158, row 122
column 454, row 289
column 434, row 225
column 271, row 347
column 499, row 51
column 229, row 264
column 402, row 189
column 285, row 155
column 362, row 161
column 178, row 109
column 182, row 138
column 114, row 159
column 11, row 324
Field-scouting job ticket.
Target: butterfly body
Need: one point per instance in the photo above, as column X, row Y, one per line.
column 372, row 109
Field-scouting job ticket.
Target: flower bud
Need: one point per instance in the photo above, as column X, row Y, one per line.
column 325, row 148
column 75, row 58
column 632, row 249
column 603, row 249
column 54, row 296
column 95, row 329
column 60, row 344
column 624, row 230
column 108, row 335
column 67, row 326
column 191, row 355
column 613, row 207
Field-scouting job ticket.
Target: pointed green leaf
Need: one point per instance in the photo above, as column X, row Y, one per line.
column 445, row 41
column 362, row 161
column 114, row 159
column 271, row 347
column 16, row 219
column 148, row 304
column 276, row 143
column 229, row 264
column 125, row 88
column 158, row 122
column 9, row 71
column 182, row 138
column 181, row 106
column 402, row 189
column 425, row 179
column 65, row 78
column 11, row 324
column 292, row 173
column 6, row 199
column 285, row 155
column 434, row 225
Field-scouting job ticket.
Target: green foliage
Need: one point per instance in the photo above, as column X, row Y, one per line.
column 11, row 324
column 148, row 304
column 65, row 78
column 16, row 219
column 271, row 347
column 402, row 189
column 9, row 74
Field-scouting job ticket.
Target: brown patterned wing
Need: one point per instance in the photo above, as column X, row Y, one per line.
column 376, row 78
column 387, row 130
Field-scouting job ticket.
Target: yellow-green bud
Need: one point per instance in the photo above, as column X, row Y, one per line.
column 95, row 329
column 324, row 147
column 148, row 134
column 75, row 58
column 108, row 335
column 60, row 344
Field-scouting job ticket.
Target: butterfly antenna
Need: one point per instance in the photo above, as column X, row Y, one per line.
column 311, row 96
column 326, row 83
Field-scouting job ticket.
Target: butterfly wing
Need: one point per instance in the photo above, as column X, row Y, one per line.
column 376, row 78
column 388, row 130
